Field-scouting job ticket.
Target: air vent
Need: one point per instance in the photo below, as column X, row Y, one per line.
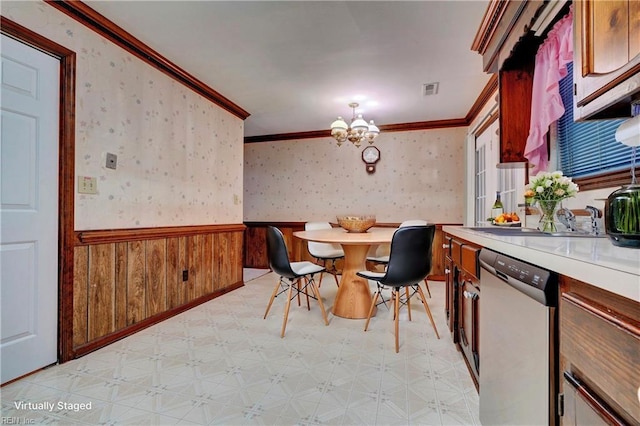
column 429, row 89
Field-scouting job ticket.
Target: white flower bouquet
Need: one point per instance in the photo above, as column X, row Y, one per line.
column 548, row 189
column 552, row 186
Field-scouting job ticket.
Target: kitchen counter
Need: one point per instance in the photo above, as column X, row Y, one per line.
column 595, row 261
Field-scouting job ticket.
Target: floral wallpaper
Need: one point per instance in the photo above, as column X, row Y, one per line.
column 419, row 176
column 180, row 157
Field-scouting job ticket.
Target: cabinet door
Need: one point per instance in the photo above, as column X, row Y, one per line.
column 437, row 256
column 581, row 407
column 450, row 296
column 468, row 324
column 607, row 57
column 606, row 41
column 599, row 341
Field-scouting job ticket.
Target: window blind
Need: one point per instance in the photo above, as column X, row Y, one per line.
column 587, row 148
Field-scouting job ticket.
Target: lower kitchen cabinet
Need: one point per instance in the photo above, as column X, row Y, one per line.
column 599, row 355
column 451, row 297
column 469, row 309
column 595, row 378
column 462, row 300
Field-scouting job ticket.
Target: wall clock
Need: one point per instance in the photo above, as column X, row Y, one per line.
column 370, row 156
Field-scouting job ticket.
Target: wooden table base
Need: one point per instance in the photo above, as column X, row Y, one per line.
column 353, row 300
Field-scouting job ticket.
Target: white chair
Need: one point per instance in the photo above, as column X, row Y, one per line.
column 324, row 252
column 379, row 255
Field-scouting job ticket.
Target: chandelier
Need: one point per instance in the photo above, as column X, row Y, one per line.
column 357, row 132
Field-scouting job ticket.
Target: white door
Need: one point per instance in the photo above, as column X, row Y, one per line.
column 28, row 209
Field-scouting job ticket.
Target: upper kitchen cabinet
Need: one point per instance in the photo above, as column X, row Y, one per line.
column 504, row 25
column 508, row 47
column 606, row 57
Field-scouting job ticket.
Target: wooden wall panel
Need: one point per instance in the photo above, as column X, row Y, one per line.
column 135, row 282
column 255, row 247
column 80, row 295
column 287, row 233
column 183, row 261
column 220, row 260
column 236, row 257
column 127, row 285
column 207, row 263
column 197, row 266
column 255, row 243
column 101, row 290
column 156, row 277
column 191, row 258
column 175, row 287
column 121, row 286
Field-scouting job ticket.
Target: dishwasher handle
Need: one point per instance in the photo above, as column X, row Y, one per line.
column 504, row 277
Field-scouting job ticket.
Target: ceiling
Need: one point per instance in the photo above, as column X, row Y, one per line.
column 295, row 65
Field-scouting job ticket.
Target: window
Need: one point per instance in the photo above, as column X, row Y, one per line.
column 486, row 158
column 588, row 149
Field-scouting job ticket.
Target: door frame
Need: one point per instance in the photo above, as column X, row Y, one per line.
column 66, row 175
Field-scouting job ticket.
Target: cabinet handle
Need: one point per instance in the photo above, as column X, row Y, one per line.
column 463, row 337
column 592, row 400
column 447, row 270
column 445, row 246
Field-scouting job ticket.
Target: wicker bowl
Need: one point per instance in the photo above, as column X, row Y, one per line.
column 356, row 223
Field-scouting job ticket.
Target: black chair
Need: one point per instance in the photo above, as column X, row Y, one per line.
column 409, row 263
column 380, row 255
column 293, row 272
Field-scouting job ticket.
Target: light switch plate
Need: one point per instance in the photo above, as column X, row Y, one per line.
column 112, row 161
column 87, row 185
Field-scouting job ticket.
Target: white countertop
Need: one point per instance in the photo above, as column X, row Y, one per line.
column 595, row 261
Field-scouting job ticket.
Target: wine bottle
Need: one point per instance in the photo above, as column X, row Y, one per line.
column 497, row 209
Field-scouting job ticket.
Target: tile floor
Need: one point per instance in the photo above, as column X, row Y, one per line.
column 221, row 363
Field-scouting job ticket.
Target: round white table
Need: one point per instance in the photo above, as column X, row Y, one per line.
column 353, row 298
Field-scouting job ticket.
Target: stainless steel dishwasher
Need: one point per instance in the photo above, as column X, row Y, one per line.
column 518, row 342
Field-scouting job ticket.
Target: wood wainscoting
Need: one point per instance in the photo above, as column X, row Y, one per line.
column 255, row 245
column 129, row 279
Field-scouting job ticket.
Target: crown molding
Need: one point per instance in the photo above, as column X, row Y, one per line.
column 483, row 98
column 84, row 14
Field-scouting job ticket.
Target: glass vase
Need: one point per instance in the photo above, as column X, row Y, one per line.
column 548, row 209
column 622, row 216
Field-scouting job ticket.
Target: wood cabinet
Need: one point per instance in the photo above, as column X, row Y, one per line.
column 462, row 300
column 468, row 284
column 451, row 294
column 449, row 302
column 437, row 261
column 606, row 57
column 599, row 355
column 515, row 114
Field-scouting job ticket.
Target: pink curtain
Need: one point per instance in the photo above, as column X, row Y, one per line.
column 546, row 104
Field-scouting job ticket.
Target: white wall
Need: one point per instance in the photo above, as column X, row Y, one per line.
column 179, row 155
column 419, row 175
